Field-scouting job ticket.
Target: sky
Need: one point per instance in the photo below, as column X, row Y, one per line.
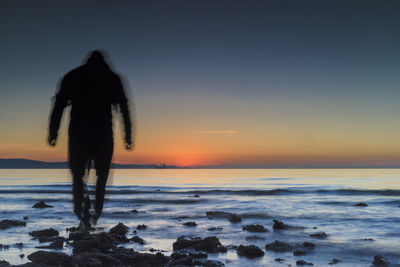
column 214, row 83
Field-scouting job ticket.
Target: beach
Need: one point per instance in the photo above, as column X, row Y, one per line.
column 324, row 217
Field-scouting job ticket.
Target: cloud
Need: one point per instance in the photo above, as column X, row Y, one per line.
column 218, row 132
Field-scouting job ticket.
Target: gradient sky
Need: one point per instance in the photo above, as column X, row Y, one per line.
column 222, row 83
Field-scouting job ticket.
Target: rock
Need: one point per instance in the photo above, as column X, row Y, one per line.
column 58, row 243
column 41, row 205
column 141, row 227
column 183, row 260
column 26, row 218
column 214, row 229
column 334, row 261
column 302, row 262
column 380, row 261
column 49, row 258
column 361, row 204
column 44, row 233
column 19, row 245
column 190, row 224
column 234, row 218
column 213, row 263
column 4, row 263
column 299, row 253
column 308, row 245
column 196, row 195
column 222, row 214
column 134, row 211
column 279, row 225
column 367, row 239
column 5, row 224
column 119, row 229
column 6, row 246
column 138, row 240
column 250, row 251
column 279, row 260
column 320, row 235
column 279, row 246
column 94, row 243
column 209, row 244
column 198, row 254
column 21, row 256
column 257, row 228
column 254, row 237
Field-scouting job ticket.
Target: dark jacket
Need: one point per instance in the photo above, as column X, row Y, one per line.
column 91, row 90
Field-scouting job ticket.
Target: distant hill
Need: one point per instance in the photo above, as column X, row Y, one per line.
column 35, row 164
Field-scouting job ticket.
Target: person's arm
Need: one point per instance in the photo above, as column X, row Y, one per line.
column 60, row 102
column 124, row 108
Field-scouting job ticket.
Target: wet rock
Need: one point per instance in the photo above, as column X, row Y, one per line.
column 361, row 204
column 184, row 261
column 234, row 218
column 21, row 256
column 250, row 251
column 4, row 263
column 256, row 228
column 41, row 205
column 213, row 263
column 380, row 261
column 44, row 233
column 214, row 229
column 198, row 254
column 308, row 245
column 319, row 235
column 5, row 224
column 196, row 195
column 119, row 229
column 279, row 246
column 19, row 245
column 147, row 259
column 299, row 253
column 334, row 261
column 302, row 262
column 58, row 243
column 254, row 237
column 138, row 240
column 367, row 239
column 6, row 246
column 141, row 227
column 134, row 211
column 94, row 243
column 225, row 215
column 209, row 244
column 190, row 224
column 49, row 258
column 279, row 260
column 279, row 225
column 26, row 218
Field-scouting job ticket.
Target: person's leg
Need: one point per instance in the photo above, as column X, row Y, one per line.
column 78, row 159
column 102, row 160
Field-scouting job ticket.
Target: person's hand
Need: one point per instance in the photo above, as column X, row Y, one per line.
column 128, row 144
column 52, row 140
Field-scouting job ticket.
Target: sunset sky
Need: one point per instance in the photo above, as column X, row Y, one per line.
column 219, row 83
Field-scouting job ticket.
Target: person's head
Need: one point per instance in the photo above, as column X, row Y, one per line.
column 95, row 57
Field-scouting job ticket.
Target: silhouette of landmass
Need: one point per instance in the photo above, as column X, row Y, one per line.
column 35, row 164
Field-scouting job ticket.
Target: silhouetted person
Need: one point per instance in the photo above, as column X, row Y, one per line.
column 92, row 90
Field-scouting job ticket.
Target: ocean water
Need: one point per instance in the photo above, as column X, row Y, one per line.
column 322, row 200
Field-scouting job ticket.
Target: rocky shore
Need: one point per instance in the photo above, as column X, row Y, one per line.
column 106, row 248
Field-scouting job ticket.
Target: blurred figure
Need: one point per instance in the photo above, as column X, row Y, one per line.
column 92, row 90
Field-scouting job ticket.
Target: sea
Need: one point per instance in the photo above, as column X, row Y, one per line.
column 321, row 200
